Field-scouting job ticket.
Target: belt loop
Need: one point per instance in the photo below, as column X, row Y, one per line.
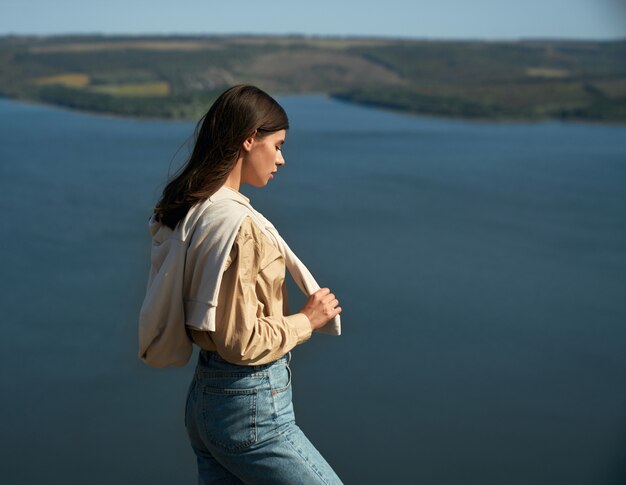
column 288, row 357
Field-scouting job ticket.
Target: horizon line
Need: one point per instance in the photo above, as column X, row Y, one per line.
column 312, row 36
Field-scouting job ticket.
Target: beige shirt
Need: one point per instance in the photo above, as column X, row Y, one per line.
column 253, row 325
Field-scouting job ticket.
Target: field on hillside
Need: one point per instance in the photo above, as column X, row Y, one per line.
column 178, row 77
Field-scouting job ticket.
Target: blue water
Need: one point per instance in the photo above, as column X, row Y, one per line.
column 481, row 269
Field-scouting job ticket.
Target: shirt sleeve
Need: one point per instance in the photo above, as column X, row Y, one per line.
column 245, row 334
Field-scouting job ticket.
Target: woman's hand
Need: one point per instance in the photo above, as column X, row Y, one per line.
column 321, row 307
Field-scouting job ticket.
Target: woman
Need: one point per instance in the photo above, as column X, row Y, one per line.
column 231, row 275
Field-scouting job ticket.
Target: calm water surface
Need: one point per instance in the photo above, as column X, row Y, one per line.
column 481, row 269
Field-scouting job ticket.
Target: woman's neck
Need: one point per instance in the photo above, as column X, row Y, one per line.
column 234, row 177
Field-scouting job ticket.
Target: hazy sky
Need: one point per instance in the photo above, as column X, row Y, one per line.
column 436, row 19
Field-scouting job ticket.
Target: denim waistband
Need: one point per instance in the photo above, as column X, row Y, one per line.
column 208, row 355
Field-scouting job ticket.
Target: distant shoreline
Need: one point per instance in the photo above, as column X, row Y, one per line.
column 114, row 116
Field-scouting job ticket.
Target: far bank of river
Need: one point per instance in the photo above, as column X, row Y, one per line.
column 383, row 103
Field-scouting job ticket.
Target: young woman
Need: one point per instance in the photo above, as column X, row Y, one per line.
column 220, row 266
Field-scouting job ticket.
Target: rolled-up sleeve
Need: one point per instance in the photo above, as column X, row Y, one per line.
column 249, row 331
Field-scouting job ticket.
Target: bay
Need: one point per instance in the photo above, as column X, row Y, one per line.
column 481, row 269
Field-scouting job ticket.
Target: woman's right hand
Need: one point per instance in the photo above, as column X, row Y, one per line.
column 321, row 307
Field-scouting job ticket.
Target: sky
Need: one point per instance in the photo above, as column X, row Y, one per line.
column 420, row 19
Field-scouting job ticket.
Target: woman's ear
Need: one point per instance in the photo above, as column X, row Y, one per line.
column 248, row 142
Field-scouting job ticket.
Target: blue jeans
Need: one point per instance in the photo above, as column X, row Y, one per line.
column 242, row 427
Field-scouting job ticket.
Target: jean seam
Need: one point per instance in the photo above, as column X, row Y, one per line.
column 190, row 390
column 271, row 397
column 306, row 460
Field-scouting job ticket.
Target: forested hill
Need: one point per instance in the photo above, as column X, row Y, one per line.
column 178, row 77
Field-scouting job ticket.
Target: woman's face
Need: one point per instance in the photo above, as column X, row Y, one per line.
column 262, row 157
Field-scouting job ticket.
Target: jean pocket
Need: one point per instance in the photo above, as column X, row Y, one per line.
column 282, row 385
column 230, row 417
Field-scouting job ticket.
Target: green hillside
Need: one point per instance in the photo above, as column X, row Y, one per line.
column 178, row 77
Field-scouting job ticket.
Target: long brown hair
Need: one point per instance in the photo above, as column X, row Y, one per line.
column 220, row 133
